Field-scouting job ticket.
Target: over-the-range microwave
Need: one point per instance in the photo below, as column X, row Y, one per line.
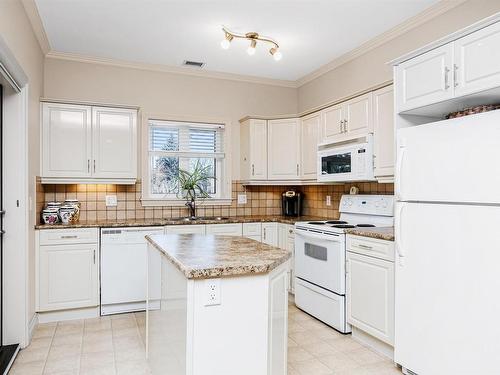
column 346, row 162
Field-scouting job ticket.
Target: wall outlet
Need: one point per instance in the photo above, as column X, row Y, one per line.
column 328, row 200
column 111, row 201
column 212, row 292
column 242, row 199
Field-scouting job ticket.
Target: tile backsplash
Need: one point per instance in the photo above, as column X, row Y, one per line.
column 261, row 200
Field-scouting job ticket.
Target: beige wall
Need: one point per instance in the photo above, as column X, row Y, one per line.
column 371, row 69
column 168, row 94
column 16, row 31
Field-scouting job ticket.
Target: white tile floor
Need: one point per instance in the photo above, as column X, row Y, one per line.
column 115, row 345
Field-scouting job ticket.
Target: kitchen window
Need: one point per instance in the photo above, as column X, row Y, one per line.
column 175, row 145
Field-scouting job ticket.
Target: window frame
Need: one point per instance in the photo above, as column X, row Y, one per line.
column 223, row 197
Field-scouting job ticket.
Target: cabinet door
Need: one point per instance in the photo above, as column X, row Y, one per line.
column 309, row 146
column 114, row 143
column 383, row 131
column 278, row 323
column 477, row 61
column 283, row 149
column 425, row 79
column 358, row 115
column 370, row 296
column 331, row 125
column 66, row 140
column 68, row 277
column 258, row 149
column 270, row 233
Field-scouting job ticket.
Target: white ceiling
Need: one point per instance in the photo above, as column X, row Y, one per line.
column 311, row 32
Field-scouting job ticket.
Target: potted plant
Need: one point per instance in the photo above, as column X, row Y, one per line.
column 193, row 185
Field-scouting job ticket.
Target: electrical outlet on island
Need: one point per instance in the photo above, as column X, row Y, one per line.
column 212, row 292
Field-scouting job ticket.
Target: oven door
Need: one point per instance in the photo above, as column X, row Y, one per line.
column 320, row 259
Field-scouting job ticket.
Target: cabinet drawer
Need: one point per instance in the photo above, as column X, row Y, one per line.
column 185, row 229
column 225, row 229
column 252, row 229
column 68, row 236
column 371, row 246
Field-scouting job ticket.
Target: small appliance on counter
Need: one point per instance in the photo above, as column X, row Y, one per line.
column 291, row 203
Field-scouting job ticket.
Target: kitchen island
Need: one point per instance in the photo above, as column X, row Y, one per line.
column 223, row 306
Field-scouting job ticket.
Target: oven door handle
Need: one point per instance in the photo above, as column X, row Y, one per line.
column 317, row 236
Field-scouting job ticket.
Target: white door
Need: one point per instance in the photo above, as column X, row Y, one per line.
column 425, row 79
column 68, row 276
column 258, row 149
column 450, row 161
column 66, row 140
column 446, row 289
column 185, row 229
column 270, row 234
column 309, row 148
column 283, row 149
column 331, row 123
column 114, row 143
column 358, row 115
column 235, row 229
column 278, row 323
column 477, row 61
column 383, row 132
column 370, row 296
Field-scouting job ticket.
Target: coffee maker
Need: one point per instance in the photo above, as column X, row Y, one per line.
column 291, row 203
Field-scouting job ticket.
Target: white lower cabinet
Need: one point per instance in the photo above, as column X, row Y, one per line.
column 370, row 287
column 186, row 229
column 286, row 240
column 67, row 272
column 234, row 229
column 253, row 231
column 270, row 233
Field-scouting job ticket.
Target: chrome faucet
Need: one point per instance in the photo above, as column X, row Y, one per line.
column 192, row 209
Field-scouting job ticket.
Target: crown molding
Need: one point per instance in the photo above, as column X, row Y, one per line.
column 411, row 23
column 168, row 69
column 37, row 25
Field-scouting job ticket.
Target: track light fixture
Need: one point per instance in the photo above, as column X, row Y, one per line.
column 253, row 37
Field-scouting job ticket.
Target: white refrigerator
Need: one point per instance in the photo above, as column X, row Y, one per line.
column 447, row 217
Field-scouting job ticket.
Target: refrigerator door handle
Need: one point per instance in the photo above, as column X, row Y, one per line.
column 399, row 165
column 399, row 239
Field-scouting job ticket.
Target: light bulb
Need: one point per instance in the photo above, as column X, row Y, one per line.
column 277, row 56
column 251, row 50
column 225, row 44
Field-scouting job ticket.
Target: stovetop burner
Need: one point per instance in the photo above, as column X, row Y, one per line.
column 343, row 226
column 336, row 222
column 316, row 223
column 365, row 225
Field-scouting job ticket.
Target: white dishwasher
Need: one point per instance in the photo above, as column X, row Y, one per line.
column 124, row 257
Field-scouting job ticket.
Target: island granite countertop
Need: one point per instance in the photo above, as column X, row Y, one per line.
column 206, row 256
column 381, row 233
column 177, row 221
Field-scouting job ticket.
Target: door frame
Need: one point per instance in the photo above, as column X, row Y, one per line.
column 16, row 201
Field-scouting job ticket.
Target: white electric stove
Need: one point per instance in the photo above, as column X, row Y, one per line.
column 320, row 254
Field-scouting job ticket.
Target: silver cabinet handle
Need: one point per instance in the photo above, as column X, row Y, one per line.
column 297, row 169
column 66, row 237
column 94, row 165
column 345, row 126
column 446, row 83
column 290, row 230
column 88, row 165
column 264, row 233
column 365, row 246
column 341, row 126
column 94, row 256
column 455, row 75
column 253, row 170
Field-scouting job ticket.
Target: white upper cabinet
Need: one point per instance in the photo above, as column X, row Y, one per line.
column 383, row 123
column 253, row 150
column 332, row 121
column 66, row 138
column 283, row 144
column 477, row 61
column 426, row 79
column 88, row 144
column 358, row 115
column 114, row 143
column 310, row 127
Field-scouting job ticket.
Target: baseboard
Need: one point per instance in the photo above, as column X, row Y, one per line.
column 374, row 343
column 31, row 327
column 62, row 315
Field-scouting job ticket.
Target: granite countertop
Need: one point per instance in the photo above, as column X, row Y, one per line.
column 205, row 256
column 382, row 233
column 175, row 221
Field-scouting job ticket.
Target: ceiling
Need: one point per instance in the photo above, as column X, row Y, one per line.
column 311, row 33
